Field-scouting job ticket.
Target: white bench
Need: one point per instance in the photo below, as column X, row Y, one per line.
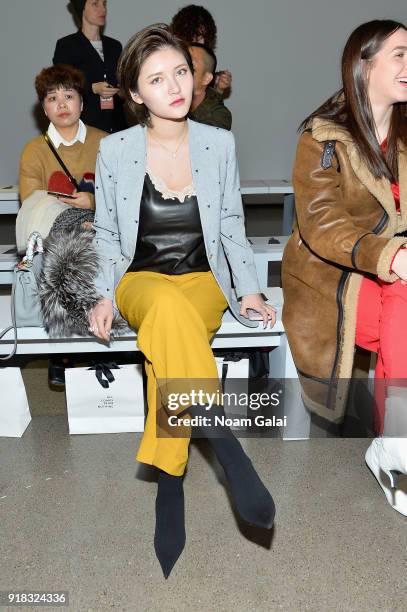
column 265, row 253
column 9, row 197
column 9, row 200
column 8, row 260
column 231, row 335
column 9, row 205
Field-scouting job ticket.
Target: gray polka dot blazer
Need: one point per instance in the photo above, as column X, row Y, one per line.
column 120, row 172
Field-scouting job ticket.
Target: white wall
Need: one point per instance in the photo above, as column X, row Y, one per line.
column 284, row 57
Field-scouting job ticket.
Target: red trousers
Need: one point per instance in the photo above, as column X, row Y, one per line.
column 381, row 327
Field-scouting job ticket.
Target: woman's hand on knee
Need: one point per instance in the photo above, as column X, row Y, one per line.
column 399, row 265
column 267, row 313
column 101, row 318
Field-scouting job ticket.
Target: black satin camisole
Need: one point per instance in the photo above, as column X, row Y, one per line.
column 170, row 239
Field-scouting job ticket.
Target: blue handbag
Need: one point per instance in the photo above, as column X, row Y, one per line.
column 25, row 299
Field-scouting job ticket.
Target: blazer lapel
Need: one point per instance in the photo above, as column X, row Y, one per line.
column 204, row 174
column 88, row 45
column 132, row 168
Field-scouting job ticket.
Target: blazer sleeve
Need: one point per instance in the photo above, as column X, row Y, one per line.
column 233, row 235
column 324, row 224
column 107, row 239
column 67, row 52
column 64, row 53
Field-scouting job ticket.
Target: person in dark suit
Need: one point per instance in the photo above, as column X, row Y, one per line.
column 96, row 56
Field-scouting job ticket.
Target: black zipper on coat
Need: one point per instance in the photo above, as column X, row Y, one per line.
column 381, row 223
column 339, row 296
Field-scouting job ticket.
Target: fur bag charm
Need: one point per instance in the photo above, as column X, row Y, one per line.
column 54, row 288
column 66, row 288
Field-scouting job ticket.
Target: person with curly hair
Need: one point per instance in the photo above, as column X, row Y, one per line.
column 195, row 24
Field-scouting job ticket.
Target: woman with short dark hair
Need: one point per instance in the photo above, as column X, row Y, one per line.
column 47, row 193
column 169, row 222
column 345, row 265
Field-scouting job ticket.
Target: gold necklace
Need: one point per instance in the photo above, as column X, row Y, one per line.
column 173, row 153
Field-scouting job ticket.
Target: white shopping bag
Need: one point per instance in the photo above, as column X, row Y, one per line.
column 235, row 391
column 14, row 410
column 116, row 408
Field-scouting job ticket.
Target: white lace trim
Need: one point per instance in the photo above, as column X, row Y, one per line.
column 171, row 194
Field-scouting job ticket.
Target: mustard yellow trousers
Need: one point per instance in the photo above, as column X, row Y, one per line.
column 175, row 317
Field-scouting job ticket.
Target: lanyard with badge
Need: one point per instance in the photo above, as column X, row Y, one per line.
column 106, row 103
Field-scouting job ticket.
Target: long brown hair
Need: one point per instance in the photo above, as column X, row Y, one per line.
column 350, row 106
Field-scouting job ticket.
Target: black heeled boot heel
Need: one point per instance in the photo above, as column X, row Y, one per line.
column 252, row 500
column 169, row 537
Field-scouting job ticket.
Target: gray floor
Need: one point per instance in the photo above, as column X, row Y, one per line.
column 77, row 515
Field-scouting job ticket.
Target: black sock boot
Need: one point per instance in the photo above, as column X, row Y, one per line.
column 252, row 500
column 169, row 538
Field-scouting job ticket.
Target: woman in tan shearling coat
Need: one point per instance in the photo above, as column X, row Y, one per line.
column 345, row 264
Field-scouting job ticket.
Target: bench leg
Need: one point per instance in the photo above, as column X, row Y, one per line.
column 288, row 214
column 298, row 418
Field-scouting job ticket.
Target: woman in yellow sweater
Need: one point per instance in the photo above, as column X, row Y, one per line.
column 59, row 89
column 42, row 176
